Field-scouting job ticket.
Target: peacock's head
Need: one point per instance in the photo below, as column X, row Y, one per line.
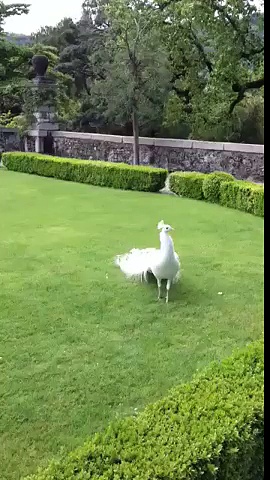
column 164, row 227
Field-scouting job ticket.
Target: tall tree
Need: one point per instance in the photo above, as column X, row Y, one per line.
column 60, row 36
column 12, row 61
column 137, row 77
column 217, row 57
column 14, row 67
column 78, row 57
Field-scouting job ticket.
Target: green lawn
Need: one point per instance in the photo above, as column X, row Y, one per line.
column 79, row 345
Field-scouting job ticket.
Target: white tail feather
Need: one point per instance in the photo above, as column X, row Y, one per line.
column 136, row 263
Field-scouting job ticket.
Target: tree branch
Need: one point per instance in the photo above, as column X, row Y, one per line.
column 230, row 20
column 165, row 4
column 249, row 85
column 185, row 94
column 201, row 51
column 251, row 53
column 242, row 35
column 136, row 38
column 242, row 89
column 128, row 46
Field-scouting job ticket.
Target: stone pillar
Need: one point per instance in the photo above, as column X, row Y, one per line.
column 44, row 89
column 39, row 144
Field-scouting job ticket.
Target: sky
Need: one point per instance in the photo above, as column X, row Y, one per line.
column 45, row 12
column 42, row 12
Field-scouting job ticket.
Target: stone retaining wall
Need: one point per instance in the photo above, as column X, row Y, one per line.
column 9, row 140
column 242, row 160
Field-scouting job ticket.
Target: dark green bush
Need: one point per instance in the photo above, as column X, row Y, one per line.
column 188, row 184
column 115, row 175
column 244, row 196
column 211, row 428
column 211, row 185
column 220, row 187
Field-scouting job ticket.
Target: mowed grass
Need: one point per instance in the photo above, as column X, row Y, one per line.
column 80, row 345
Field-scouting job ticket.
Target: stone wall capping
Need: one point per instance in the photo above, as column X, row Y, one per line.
column 214, row 146
column 37, row 133
column 142, row 140
column 163, row 142
column 73, row 135
column 173, row 143
column 106, row 138
column 88, row 136
column 243, row 147
column 8, row 130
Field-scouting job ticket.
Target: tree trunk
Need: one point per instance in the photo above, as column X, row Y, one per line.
column 136, row 147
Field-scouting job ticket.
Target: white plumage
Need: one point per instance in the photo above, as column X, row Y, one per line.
column 163, row 263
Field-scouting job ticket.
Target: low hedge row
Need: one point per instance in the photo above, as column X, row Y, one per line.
column 211, row 428
column 187, row 184
column 220, row 187
column 115, row 175
column 212, row 183
column 244, row 196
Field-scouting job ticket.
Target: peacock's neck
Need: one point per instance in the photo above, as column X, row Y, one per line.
column 166, row 244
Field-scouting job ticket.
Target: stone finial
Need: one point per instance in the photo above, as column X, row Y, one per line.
column 40, row 64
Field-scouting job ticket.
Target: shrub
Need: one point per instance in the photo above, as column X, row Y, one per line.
column 115, row 175
column 188, row 184
column 211, row 428
column 244, row 196
column 211, row 185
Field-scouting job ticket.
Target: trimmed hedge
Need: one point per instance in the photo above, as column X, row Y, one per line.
column 115, row 175
column 211, row 185
column 244, row 196
column 211, row 428
column 220, row 187
column 188, row 184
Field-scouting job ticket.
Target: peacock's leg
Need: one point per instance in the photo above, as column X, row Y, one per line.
column 168, row 288
column 159, row 289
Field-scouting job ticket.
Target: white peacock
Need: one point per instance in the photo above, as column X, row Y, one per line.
column 162, row 262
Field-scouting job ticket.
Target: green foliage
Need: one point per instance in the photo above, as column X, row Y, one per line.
column 137, row 77
column 14, row 67
column 17, row 96
column 244, row 196
column 220, row 187
column 105, row 174
column 59, row 36
column 19, row 122
column 216, row 55
column 36, row 97
column 212, row 427
column 188, row 184
column 5, row 120
column 115, row 95
column 211, row 185
column 13, row 63
column 248, row 121
column 11, row 9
